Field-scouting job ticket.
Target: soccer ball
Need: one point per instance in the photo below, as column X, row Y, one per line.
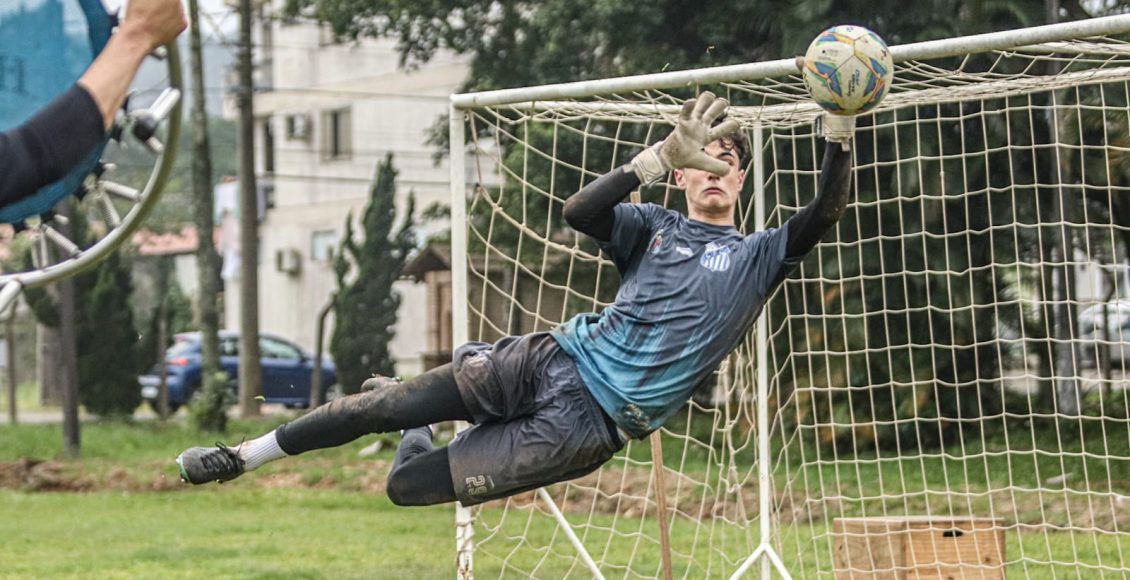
column 848, row 70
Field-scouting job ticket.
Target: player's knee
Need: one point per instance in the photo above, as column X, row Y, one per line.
column 399, row 490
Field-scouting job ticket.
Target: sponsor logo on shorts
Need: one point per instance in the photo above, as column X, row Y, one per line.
column 684, row 251
column 716, row 258
column 479, row 485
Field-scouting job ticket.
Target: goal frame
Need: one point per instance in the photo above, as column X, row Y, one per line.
column 538, row 98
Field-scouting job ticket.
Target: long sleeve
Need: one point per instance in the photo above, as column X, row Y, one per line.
column 814, row 220
column 48, row 145
column 590, row 210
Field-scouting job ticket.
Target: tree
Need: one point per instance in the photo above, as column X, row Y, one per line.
column 107, row 340
column 209, row 412
column 366, row 306
column 519, row 43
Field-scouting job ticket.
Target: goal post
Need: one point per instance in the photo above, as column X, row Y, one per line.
column 939, row 387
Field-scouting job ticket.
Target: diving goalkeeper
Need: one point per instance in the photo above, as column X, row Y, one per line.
column 553, row 406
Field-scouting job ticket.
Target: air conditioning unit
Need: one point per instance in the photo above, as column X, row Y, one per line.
column 288, row 261
column 298, row 127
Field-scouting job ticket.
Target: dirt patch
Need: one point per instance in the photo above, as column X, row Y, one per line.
column 39, row 475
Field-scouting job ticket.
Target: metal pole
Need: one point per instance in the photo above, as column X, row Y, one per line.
column 943, row 48
column 570, row 534
column 460, row 321
column 250, row 372
column 764, row 484
column 317, row 390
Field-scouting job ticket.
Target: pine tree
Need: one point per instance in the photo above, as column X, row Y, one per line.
column 366, row 306
column 107, row 340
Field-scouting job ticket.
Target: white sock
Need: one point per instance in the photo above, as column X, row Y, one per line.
column 258, row 451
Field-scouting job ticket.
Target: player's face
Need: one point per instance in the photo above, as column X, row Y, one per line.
column 711, row 198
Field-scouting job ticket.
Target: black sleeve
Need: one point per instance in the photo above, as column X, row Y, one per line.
column 589, row 211
column 815, row 219
column 48, row 145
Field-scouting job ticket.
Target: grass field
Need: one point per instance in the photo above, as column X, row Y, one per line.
column 323, row 514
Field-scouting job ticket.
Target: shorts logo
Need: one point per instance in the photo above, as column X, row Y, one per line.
column 656, row 243
column 716, row 258
column 479, row 485
column 684, row 251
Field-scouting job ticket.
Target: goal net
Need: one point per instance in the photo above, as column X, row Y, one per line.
column 943, row 378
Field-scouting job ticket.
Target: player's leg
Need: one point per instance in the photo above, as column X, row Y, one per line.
column 421, row 474
column 566, row 436
column 388, row 406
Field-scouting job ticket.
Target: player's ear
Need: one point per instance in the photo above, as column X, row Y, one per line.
column 680, row 179
column 741, row 177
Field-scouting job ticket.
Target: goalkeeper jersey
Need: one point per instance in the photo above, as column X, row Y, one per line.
column 689, row 292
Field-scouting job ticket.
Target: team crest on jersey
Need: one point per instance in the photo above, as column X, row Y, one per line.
column 716, row 258
column 656, row 243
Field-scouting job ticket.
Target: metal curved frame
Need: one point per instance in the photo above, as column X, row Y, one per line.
column 11, row 284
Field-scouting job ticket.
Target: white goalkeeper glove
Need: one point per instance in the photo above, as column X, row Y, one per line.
column 684, row 146
column 838, row 129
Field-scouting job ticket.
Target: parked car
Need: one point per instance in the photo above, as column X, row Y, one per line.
column 286, row 369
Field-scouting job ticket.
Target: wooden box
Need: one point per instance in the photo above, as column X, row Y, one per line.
column 918, row 547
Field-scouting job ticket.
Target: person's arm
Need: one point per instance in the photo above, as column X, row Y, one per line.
column 45, row 147
column 148, row 24
column 591, row 210
column 33, row 154
column 813, row 220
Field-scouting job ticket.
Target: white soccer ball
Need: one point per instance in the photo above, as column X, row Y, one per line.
column 848, row 70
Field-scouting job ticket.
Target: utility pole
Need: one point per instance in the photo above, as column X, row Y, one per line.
column 68, row 353
column 207, row 262
column 250, row 383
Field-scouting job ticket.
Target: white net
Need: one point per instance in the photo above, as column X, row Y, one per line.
column 947, row 391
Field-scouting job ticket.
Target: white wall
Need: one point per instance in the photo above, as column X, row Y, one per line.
column 390, row 112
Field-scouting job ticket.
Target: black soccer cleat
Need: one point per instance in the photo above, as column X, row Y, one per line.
column 207, row 464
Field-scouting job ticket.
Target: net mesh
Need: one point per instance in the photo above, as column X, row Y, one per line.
column 947, row 364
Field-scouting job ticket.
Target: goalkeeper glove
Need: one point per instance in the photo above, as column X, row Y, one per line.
column 684, row 146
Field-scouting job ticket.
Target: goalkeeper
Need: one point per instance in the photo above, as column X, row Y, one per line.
column 553, row 406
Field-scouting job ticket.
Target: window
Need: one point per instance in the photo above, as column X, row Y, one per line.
column 268, row 146
column 323, row 244
column 336, row 140
column 229, row 346
column 277, row 349
column 297, row 127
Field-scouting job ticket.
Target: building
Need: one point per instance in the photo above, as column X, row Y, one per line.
column 327, row 113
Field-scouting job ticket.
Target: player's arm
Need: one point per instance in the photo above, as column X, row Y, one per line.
column 814, row 220
column 591, row 210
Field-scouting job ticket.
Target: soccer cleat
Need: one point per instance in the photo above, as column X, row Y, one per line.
column 206, row 464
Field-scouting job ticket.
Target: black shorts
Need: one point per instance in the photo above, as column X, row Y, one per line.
column 535, row 421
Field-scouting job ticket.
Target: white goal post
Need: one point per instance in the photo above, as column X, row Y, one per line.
column 940, row 387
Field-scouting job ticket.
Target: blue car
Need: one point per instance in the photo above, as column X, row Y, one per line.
column 286, row 370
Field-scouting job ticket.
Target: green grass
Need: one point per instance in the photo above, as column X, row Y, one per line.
column 323, row 514
column 224, row 532
column 221, row 533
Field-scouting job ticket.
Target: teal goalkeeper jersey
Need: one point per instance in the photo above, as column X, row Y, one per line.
column 689, row 292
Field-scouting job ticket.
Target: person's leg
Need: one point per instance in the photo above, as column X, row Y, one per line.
column 420, row 475
column 429, row 398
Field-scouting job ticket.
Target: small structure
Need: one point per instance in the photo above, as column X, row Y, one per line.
column 919, row 547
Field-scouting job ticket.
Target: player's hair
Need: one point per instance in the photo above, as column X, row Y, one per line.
column 736, row 140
